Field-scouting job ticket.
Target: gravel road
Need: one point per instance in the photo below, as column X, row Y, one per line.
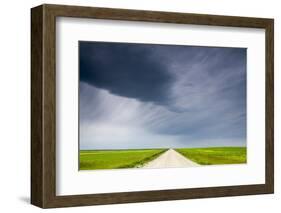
column 170, row 159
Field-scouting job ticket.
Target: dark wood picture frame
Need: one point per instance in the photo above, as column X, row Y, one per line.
column 43, row 105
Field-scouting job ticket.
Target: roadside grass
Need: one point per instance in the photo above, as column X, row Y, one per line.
column 215, row 155
column 113, row 159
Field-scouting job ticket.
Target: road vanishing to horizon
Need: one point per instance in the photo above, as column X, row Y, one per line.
column 170, row 159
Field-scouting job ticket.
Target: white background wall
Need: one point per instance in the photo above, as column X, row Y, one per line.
column 15, row 105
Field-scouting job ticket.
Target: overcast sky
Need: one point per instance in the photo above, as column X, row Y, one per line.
column 152, row 96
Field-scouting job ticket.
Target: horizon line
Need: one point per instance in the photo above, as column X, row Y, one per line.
column 161, row 148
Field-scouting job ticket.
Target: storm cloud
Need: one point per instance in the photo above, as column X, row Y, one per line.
column 149, row 95
column 132, row 71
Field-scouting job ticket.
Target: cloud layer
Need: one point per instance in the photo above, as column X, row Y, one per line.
column 126, row 70
column 141, row 96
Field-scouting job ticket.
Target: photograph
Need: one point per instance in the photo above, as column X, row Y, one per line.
column 161, row 106
column 172, row 105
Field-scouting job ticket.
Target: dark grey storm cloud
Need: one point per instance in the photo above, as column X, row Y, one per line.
column 127, row 70
column 144, row 95
column 144, row 71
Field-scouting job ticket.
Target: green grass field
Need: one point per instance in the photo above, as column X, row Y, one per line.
column 113, row 159
column 215, row 155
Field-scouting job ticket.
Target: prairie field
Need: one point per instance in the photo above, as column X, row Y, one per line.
column 215, row 155
column 113, row 159
column 137, row 158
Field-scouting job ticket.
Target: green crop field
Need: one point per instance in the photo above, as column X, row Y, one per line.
column 215, row 155
column 113, row 159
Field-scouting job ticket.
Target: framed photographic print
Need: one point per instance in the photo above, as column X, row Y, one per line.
column 136, row 106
